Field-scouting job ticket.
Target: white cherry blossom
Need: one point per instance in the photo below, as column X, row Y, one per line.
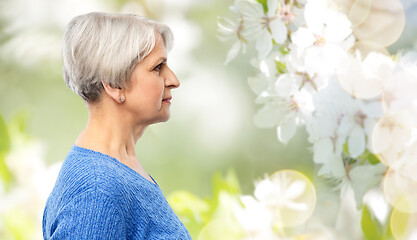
column 328, row 128
column 263, row 27
column 281, row 193
column 346, row 101
column 366, row 79
column 362, row 178
column 359, row 124
column 255, row 218
column 286, row 102
column 325, row 38
column 400, row 91
column 232, row 30
column 305, row 78
column 289, row 196
column 286, row 113
column 265, row 80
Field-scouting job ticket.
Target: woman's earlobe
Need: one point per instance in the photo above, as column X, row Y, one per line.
column 115, row 93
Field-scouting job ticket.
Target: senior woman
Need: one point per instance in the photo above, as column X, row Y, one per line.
column 118, row 65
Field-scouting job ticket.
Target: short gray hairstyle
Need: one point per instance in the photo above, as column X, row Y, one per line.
column 102, row 46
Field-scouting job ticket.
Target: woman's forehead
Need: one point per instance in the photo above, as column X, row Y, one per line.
column 158, row 52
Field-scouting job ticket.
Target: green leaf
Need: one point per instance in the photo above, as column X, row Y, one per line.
column 195, row 212
column 5, row 174
column 372, row 159
column 371, row 228
column 229, row 183
column 403, row 224
column 281, row 67
column 283, row 50
column 192, row 210
column 18, row 122
column 363, row 178
column 183, row 202
column 346, row 148
column 264, row 4
column 18, row 224
column 388, row 233
column 4, row 136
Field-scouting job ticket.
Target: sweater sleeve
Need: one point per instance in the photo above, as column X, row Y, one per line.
column 92, row 215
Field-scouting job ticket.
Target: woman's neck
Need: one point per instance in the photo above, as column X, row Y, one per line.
column 110, row 134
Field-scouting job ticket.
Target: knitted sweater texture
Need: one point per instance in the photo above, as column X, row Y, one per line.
column 98, row 197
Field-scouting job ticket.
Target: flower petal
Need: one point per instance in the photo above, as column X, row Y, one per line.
column 302, row 38
column 285, row 85
column 338, row 27
column 226, row 26
column 295, row 189
column 287, row 129
column 264, row 189
column 278, row 30
column 254, row 217
column 333, row 166
column 272, row 7
column 314, row 14
column 357, row 142
column 364, row 178
column 250, row 9
column 296, row 206
column 264, row 44
column 258, row 84
column 324, row 60
column 268, row 116
column 323, row 150
column 233, row 52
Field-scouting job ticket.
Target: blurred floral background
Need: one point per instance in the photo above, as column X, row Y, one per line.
column 209, row 157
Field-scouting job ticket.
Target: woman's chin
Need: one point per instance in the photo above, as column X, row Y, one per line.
column 163, row 118
column 166, row 118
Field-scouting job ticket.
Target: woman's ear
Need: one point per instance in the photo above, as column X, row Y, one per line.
column 115, row 93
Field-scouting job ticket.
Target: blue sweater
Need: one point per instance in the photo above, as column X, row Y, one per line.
column 98, row 197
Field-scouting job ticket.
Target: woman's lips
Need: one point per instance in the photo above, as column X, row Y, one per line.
column 167, row 100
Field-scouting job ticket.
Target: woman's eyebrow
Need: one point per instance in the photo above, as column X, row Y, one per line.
column 159, row 61
column 162, row 60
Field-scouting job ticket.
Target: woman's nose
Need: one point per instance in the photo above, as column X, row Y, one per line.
column 171, row 79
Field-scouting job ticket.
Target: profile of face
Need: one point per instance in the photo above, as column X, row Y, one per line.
column 148, row 97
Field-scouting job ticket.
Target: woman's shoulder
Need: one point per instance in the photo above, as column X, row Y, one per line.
column 90, row 167
column 87, row 172
column 83, row 172
column 85, row 169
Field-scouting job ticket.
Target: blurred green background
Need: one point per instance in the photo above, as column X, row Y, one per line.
column 210, row 129
column 211, row 126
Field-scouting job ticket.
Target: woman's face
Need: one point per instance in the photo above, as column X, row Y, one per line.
column 149, row 95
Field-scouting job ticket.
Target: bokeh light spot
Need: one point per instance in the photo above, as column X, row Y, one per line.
column 360, row 11
column 403, row 225
column 389, row 138
column 298, row 198
column 224, row 228
column 400, row 186
column 366, row 79
column 383, row 24
column 367, row 46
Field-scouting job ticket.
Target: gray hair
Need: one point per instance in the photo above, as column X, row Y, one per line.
column 102, row 46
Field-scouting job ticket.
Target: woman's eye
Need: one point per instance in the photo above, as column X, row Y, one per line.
column 157, row 68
